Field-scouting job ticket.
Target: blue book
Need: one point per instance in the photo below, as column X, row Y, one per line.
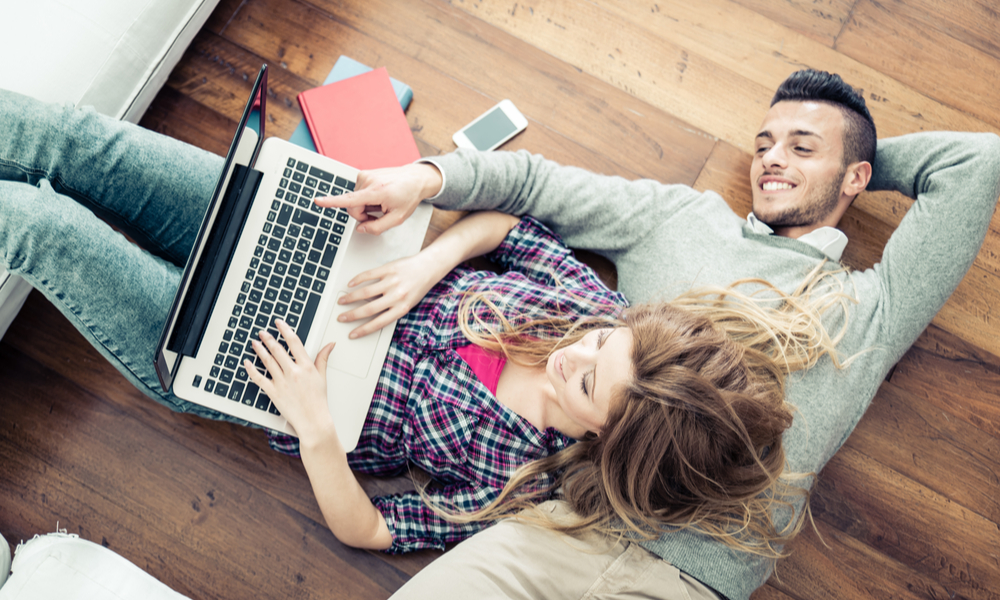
column 344, row 67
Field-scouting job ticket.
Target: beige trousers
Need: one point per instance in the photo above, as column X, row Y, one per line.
column 515, row 560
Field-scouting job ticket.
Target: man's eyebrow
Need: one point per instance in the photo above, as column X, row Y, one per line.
column 796, row 133
column 805, row 132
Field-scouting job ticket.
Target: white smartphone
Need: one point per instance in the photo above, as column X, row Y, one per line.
column 492, row 128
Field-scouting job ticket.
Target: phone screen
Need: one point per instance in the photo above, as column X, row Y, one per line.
column 489, row 130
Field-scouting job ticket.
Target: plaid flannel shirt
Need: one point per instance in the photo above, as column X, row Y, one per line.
column 431, row 410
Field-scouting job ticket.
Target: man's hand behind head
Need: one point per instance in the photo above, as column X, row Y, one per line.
column 393, row 192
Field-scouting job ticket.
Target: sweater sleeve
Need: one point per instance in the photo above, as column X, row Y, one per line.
column 415, row 526
column 955, row 179
column 605, row 214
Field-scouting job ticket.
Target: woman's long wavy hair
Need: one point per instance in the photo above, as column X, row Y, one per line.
column 694, row 438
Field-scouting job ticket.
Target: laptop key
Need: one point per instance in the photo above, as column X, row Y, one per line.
column 250, row 392
column 307, row 315
column 328, row 255
column 236, row 392
column 221, row 389
column 304, row 218
column 321, row 174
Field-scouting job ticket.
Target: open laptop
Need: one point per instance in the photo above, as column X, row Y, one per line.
column 266, row 251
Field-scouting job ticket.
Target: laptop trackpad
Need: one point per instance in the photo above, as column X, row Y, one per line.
column 351, row 357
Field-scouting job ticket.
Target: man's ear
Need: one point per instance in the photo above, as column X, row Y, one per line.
column 856, row 178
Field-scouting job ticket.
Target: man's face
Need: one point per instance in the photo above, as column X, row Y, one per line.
column 798, row 172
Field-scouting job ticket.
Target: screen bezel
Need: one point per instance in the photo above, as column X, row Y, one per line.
column 243, row 150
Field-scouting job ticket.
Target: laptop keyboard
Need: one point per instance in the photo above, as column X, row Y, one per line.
column 288, row 272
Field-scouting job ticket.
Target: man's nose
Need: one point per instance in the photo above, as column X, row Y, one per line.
column 775, row 156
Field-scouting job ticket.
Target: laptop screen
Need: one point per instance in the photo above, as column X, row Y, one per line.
column 243, row 151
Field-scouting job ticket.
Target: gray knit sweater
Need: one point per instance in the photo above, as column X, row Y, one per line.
column 664, row 239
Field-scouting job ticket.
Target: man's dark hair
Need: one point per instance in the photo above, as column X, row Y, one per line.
column 820, row 86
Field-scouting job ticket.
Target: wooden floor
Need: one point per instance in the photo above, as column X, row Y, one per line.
column 669, row 90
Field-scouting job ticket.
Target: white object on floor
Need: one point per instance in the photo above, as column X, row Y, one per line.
column 61, row 566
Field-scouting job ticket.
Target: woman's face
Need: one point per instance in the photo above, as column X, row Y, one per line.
column 585, row 373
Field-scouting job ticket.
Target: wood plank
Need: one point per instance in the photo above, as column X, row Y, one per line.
column 220, row 75
column 695, row 65
column 928, row 533
column 118, row 468
column 178, row 116
column 213, row 73
column 918, row 439
column 971, row 22
column 933, row 63
column 769, row 592
column 434, row 35
column 954, row 385
column 953, row 348
column 826, row 563
column 224, row 13
column 820, row 20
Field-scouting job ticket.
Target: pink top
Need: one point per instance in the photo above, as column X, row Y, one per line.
column 486, row 365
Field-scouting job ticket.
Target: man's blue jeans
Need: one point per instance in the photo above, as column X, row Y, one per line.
column 64, row 175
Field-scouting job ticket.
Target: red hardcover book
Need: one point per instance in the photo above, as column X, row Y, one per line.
column 359, row 122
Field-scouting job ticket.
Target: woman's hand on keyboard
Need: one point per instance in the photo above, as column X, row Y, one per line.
column 394, row 192
column 297, row 385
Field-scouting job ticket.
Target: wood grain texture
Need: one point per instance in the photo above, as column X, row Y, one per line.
column 917, row 54
column 668, row 90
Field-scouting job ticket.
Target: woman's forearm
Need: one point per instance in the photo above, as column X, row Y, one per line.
column 346, row 507
column 476, row 234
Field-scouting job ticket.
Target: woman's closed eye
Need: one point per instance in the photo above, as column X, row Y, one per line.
column 601, row 336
